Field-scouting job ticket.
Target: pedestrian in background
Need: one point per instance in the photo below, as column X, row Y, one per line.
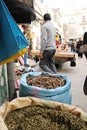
column 48, row 46
column 83, row 49
column 27, row 36
column 84, row 44
column 72, row 47
column 57, row 41
column 79, row 44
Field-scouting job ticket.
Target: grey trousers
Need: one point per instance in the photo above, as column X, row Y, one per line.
column 47, row 62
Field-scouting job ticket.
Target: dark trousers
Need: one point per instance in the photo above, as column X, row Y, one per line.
column 80, row 54
column 47, row 62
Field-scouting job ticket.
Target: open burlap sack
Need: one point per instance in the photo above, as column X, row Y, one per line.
column 27, row 101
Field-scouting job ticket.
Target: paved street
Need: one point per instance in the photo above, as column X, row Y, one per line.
column 77, row 75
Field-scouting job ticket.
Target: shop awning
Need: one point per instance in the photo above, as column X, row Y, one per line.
column 21, row 10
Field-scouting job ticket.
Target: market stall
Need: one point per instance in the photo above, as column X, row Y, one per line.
column 60, row 57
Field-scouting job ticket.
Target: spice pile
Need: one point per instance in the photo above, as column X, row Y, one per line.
column 45, row 81
column 42, row 118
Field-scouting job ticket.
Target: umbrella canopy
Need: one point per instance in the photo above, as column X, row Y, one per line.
column 21, row 10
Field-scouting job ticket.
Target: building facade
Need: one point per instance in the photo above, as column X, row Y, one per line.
column 74, row 23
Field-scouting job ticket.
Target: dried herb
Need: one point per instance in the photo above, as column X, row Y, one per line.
column 45, row 81
column 42, row 118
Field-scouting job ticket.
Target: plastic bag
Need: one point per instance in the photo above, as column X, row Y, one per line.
column 12, row 40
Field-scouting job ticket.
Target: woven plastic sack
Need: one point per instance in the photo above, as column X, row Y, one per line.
column 18, row 103
column 12, row 40
column 65, row 97
column 60, row 94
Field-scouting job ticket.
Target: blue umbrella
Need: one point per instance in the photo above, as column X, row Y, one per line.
column 12, row 40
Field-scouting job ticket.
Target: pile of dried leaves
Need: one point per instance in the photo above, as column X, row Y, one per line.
column 45, row 81
column 42, row 118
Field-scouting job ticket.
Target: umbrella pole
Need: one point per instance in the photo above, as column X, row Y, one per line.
column 11, row 81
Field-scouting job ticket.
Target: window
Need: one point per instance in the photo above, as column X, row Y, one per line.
column 83, row 19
